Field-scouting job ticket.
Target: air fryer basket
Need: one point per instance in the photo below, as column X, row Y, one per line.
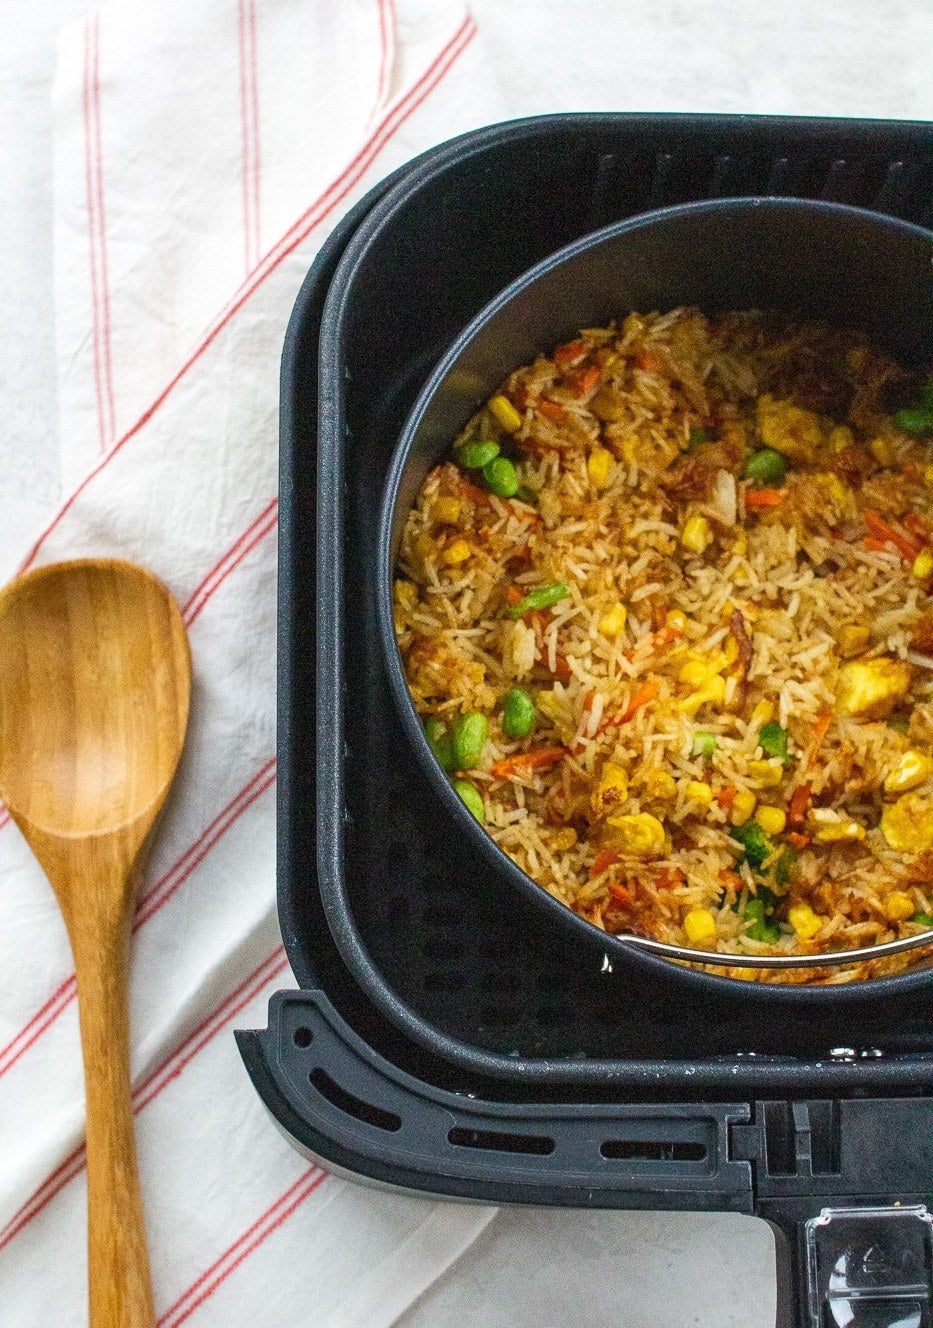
column 441, row 1041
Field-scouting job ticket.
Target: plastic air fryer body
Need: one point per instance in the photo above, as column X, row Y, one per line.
column 445, row 1039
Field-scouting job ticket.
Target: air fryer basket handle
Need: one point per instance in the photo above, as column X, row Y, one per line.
column 841, row 1183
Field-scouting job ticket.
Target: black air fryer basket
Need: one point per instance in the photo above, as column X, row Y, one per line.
column 444, row 1039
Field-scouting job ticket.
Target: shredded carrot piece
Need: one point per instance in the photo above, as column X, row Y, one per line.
column 586, row 379
column 798, row 806
column 726, row 796
column 648, row 362
column 820, row 730
column 570, row 352
column 562, row 670
column 731, row 878
column 620, row 893
column 604, row 859
column 764, row 497
column 797, row 840
column 665, row 636
column 875, row 545
column 552, row 410
column 883, row 530
column 468, row 489
column 917, row 527
column 542, row 758
column 668, row 877
column 513, row 595
column 642, row 696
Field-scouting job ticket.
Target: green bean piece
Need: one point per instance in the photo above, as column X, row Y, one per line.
column 766, row 468
column 924, row 919
column 468, row 735
column 784, row 868
column 772, row 739
column 501, row 477
column 916, row 420
column 439, row 740
column 758, row 847
column 518, row 713
column 542, row 597
column 760, row 929
column 704, row 744
column 471, row 798
column 474, row 456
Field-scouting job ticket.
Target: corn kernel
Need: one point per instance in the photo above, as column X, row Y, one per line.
column 676, row 619
column 771, row 819
column 761, row 715
column 642, row 835
column 446, row 511
column 882, row 450
column 804, row 921
column 565, row 839
column 841, row 437
column 852, row 639
column 505, row 413
column 700, row 927
column 627, row 448
column 829, row 827
column 456, row 553
column 424, row 546
column 767, row 773
column 899, row 906
column 743, row 808
column 696, row 535
column 613, row 622
column 928, row 476
column 696, row 672
column 907, row 824
column 660, row 784
column 911, row 770
column 923, row 565
column 598, row 467
column 699, row 792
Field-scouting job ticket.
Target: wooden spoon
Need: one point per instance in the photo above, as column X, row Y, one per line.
column 95, row 681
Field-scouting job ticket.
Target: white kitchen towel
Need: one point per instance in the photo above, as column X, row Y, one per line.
column 203, row 151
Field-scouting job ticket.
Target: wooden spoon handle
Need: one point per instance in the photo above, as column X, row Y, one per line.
column 119, row 1284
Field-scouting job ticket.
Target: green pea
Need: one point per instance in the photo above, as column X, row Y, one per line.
column 471, row 798
column 704, row 744
column 501, row 477
column 698, row 435
column 758, row 847
column 527, row 495
column 917, row 420
column 766, row 468
column 468, row 735
column 439, row 740
column 543, row 597
column 518, row 713
column 474, row 456
column 924, row 919
column 773, row 740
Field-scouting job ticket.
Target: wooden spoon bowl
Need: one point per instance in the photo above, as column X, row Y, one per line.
column 95, row 683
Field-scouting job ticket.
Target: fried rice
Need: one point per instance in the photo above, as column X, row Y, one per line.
column 666, row 613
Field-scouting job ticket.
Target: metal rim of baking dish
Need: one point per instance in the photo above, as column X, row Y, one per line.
column 474, row 834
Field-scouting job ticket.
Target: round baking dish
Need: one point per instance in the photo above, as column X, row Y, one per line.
column 791, row 257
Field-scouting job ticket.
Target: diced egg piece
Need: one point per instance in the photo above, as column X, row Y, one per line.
column 870, row 689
